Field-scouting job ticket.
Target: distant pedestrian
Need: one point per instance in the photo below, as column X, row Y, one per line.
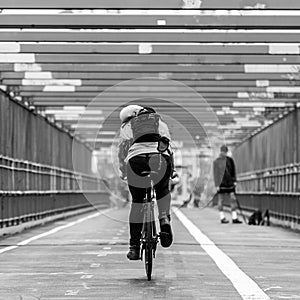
column 225, row 182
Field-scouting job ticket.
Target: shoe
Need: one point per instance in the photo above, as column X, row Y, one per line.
column 224, row 221
column 236, row 221
column 166, row 236
column 134, row 252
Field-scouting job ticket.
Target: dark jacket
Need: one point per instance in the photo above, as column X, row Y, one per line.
column 224, row 174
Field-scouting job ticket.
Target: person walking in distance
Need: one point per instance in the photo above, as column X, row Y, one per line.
column 225, row 182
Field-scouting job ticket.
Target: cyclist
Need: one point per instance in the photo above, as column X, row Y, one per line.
column 140, row 133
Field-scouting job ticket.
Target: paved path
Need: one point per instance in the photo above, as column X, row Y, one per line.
column 84, row 258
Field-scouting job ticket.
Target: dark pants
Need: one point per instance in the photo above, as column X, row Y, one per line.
column 138, row 185
column 232, row 200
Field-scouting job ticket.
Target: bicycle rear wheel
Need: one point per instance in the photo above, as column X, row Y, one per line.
column 148, row 250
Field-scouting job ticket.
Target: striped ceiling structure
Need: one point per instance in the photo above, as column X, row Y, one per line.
column 71, row 60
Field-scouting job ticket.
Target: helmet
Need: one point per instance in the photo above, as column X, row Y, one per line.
column 147, row 110
column 129, row 111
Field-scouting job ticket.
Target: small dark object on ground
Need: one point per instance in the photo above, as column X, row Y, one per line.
column 258, row 218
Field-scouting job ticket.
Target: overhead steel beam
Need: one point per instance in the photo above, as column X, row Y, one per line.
column 121, row 101
column 96, row 85
column 165, row 36
column 108, row 68
column 153, row 4
column 95, row 122
column 71, row 102
column 113, row 94
column 154, row 90
column 142, row 21
column 106, row 63
column 85, row 70
column 193, row 108
column 242, row 110
column 123, row 77
column 98, row 60
column 123, row 48
column 166, row 59
column 167, row 92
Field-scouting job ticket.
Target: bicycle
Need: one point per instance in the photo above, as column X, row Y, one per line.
column 150, row 236
column 149, row 239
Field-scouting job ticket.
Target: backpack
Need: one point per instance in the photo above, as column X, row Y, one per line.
column 145, row 127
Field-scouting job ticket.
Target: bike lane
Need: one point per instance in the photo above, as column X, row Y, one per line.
column 269, row 256
column 88, row 261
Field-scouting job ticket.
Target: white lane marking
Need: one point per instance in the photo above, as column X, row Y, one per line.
column 54, row 230
column 106, row 248
column 40, row 273
column 113, row 252
column 8, row 248
column 59, row 228
column 245, row 286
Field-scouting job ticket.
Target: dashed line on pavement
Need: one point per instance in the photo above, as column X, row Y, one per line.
column 54, row 230
column 245, row 286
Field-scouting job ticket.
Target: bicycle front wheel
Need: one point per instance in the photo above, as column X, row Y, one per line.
column 148, row 250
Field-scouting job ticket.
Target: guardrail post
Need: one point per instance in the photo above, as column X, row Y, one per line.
column 54, row 180
column 13, row 175
column 2, row 211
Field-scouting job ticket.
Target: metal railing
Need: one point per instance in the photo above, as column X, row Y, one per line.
column 274, row 189
column 277, row 180
column 22, row 175
column 17, row 207
column 31, row 191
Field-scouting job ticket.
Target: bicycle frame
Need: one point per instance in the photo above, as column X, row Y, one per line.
column 149, row 238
